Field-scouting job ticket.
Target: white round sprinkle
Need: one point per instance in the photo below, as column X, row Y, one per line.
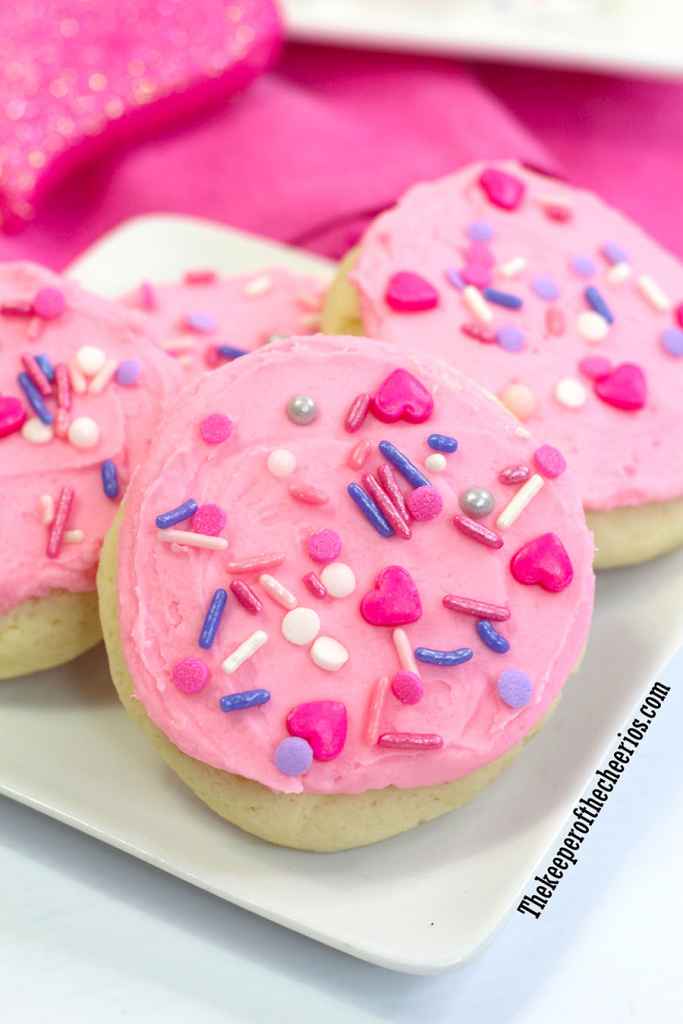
column 570, row 392
column 37, row 432
column 513, row 267
column 90, row 359
column 74, row 536
column 338, row 579
column 301, row 626
column 591, row 326
column 83, row 432
column 619, row 273
column 329, row 654
column 436, row 462
column 281, row 462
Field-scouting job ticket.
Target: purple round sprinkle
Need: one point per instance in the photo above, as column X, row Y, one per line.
column 583, row 266
column 510, row 338
column 545, row 287
column 49, row 303
column 202, row 323
column 514, row 688
column 454, row 277
column 613, row 253
column 672, row 341
column 293, row 756
column 480, row 231
column 128, row 372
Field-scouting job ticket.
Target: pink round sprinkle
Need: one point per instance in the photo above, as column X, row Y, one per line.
column 208, row 519
column 549, row 461
column 407, row 687
column 679, row 313
column 424, row 503
column 215, row 428
column 190, row 675
column 477, row 274
column 595, row 367
column 49, row 303
column 324, row 545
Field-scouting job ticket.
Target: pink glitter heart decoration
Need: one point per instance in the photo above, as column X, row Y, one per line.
column 543, row 561
column 323, row 723
column 501, row 188
column 402, row 397
column 407, row 292
column 394, row 600
column 12, row 415
column 624, row 388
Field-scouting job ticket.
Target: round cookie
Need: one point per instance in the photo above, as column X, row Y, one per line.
column 81, row 389
column 206, row 320
column 336, row 653
column 559, row 305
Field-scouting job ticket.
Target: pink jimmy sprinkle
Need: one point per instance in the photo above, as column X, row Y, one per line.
column 479, row 333
column 36, row 374
column 315, row 585
column 358, row 410
column 514, row 475
column 480, row 609
column 557, row 212
column 17, row 309
column 56, row 534
column 259, row 563
column 63, row 384
column 200, row 277
column 62, row 422
column 375, row 706
column 410, row 741
column 385, row 475
column 679, row 314
column 477, row 531
column 554, row 321
column 308, row 494
column 246, row 596
column 148, row 299
column 358, row 455
column 386, row 506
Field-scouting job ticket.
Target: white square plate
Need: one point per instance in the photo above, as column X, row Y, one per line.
column 418, row 903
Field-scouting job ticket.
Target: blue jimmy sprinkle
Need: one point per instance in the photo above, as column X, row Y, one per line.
column 245, row 699
column 370, row 510
column 176, row 515
column 46, row 366
column 230, row 352
column 212, row 619
column 596, row 302
column 431, row 657
column 110, row 479
column 34, row 398
column 499, row 298
column 442, row 443
column 494, row 640
column 403, row 465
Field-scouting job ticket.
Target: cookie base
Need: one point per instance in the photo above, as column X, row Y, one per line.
column 47, row 631
column 623, row 536
column 306, row 821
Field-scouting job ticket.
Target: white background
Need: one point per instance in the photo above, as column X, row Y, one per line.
column 89, row 934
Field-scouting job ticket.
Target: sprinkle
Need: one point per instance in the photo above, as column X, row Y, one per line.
column 476, row 303
column 101, row 379
column 36, row 432
column 482, row 609
column 407, row 687
column 314, row 585
column 230, row 352
column 583, row 266
column 571, row 393
column 519, row 501
column 90, row 360
column 519, row 399
column 34, row 398
column 454, row 278
column 324, row 545
column 672, row 341
column 358, row 455
column 301, row 626
column 293, row 756
column 556, row 209
column 477, row 531
column 278, row 591
column 209, row 519
column 110, row 479
column 47, row 508
column 424, row 503
column 549, row 461
column 36, row 374
column 281, row 462
column 613, row 253
column 192, row 540
column 442, row 443
column 246, row 596
column 245, row 699
column 408, row 292
column 554, row 321
column 403, row 464
column 480, row 231
column 369, row 509
column 406, row 658
column 49, row 303
column 505, row 299
column 338, row 579
column 679, row 314
column 17, row 309
column 385, row 475
column 176, row 515
column 258, row 285
column 595, row 367
column 46, row 366
column 430, row 656
column 200, row 276
column 35, row 328
column 502, row 189
column 212, row 619
column 480, row 333
column 514, row 475
column 657, row 298
column 436, row 462
column 58, row 525
column 619, row 273
column 476, row 502
column 128, row 372
column 78, row 382
column 175, row 346
column 215, row 428
column 63, row 386
column 246, row 650
column 302, row 410
column 490, row 636
column 190, row 675
column 307, row 494
column 200, row 323
column 513, row 267
column 83, row 432
column 256, row 564
column 374, row 712
column 410, row 741
column 514, row 688
column 74, row 536
column 510, row 338
column 598, row 304
column 358, row 410
column 545, row 287
column 148, row 299
column 521, row 431
column 387, row 507
column 328, row 654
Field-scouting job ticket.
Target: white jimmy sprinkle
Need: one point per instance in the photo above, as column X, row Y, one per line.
column 192, row 540
column 619, row 273
column 258, row 285
column 519, row 501
column 404, row 651
column 246, row 650
column 102, row 378
column 477, row 304
column 79, row 384
column 74, row 536
column 653, row 293
column 513, row 267
column 277, row 591
column 375, row 705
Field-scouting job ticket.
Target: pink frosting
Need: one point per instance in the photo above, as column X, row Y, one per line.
column 165, row 590
column 126, row 417
column 282, row 303
column 619, row 457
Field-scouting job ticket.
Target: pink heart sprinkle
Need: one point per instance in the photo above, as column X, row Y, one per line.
column 501, row 188
column 12, row 415
column 402, row 397
column 209, row 519
column 543, row 561
column 595, row 367
column 323, row 723
column 624, row 388
column 407, row 292
column 394, row 600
